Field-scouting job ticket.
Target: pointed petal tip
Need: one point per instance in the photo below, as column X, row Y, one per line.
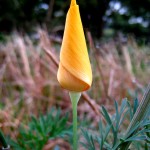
column 73, row 2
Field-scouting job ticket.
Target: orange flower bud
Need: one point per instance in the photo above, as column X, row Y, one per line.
column 74, row 73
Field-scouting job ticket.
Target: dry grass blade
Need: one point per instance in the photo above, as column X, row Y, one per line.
column 45, row 44
column 2, row 70
column 110, row 87
column 98, row 61
column 127, row 60
column 22, row 50
column 91, row 103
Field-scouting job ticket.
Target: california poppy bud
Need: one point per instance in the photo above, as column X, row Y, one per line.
column 74, row 73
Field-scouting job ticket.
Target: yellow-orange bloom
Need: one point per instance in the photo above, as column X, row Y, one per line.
column 74, row 73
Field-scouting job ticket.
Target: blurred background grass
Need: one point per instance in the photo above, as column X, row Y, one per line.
column 117, row 34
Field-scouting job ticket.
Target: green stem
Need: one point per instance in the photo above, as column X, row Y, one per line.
column 2, row 140
column 74, row 99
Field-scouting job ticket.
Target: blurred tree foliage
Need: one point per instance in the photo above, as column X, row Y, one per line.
column 130, row 16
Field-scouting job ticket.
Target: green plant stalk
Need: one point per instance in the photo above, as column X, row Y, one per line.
column 139, row 115
column 74, row 99
column 2, row 140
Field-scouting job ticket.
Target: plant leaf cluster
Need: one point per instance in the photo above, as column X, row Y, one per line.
column 111, row 136
column 39, row 131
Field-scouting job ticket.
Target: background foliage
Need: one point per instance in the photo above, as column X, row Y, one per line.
column 130, row 16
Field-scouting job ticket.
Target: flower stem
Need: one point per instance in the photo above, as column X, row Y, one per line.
column 74, row 99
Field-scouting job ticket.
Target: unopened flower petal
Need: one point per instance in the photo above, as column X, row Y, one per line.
column 74, row 71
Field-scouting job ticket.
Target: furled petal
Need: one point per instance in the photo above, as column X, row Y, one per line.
column 74, row 71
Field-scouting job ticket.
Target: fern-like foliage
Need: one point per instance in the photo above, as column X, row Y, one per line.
column 111, row 136
column 39, row 131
